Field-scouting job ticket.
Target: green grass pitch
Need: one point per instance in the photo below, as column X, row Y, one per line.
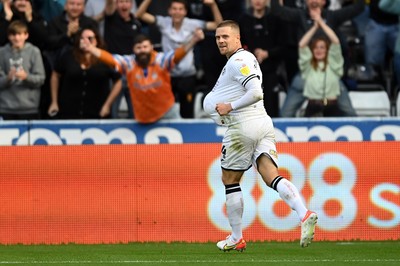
column 257, row 253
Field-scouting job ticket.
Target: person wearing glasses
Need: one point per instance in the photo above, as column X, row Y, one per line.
column 80, row 83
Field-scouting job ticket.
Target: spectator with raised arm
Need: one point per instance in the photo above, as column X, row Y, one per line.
column 62, row 30
column 80, row 82
column 321, row 67
column 304, row 21
column 177, row 29
column 121, row 27
column 22, row 10
column 148, row 75
column 96, row 10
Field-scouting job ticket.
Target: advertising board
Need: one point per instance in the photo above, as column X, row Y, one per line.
column 173, row 192
column 190, row 131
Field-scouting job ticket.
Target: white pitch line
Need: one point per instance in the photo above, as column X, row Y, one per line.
column 196, row 261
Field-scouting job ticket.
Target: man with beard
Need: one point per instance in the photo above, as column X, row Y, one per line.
column 148, row 76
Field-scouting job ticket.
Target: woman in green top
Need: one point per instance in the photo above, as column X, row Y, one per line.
column 321, row 67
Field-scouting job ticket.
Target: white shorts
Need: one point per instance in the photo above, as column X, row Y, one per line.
column 243, row 143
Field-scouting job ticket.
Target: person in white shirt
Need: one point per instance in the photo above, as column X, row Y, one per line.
column 176, row 29
column 236, row 101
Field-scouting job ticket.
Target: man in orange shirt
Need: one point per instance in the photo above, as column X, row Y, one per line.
column 148, row 75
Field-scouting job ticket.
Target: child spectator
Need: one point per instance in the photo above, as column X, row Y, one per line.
column 21, row 75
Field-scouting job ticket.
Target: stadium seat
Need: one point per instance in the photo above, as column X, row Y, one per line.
column 302, row 110
column 281, row 96
column 370, row 87
column 123, row 109
column 198, row 105
column 370, row 103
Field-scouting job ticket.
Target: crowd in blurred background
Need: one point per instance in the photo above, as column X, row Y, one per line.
column 45, row 74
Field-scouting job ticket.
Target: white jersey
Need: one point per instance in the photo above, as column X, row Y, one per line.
column 241, row 67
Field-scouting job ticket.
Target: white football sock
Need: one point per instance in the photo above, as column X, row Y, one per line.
column 234, row 209
column 289, row 193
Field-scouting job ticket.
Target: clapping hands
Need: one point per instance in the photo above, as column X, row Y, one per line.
column 17, row 74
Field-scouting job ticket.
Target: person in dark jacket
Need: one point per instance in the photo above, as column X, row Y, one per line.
column 22, row 10
column 121, row 27
column 261, row 35
column 62, row 29
column 80, row 82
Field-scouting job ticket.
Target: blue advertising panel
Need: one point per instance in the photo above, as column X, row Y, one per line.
column 75, row 132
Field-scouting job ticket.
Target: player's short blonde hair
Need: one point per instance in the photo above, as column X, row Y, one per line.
column 229, row 23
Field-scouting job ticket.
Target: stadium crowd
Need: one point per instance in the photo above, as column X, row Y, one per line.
column 68, row 83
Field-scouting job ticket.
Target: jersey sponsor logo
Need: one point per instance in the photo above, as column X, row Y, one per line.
column 245, row 70
column 273, row 153
column 157, row 84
